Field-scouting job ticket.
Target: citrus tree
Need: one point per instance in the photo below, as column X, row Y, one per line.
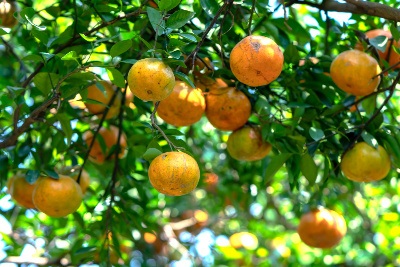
column 200, row 133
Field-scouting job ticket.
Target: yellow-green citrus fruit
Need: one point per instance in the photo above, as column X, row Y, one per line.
column 364, row 163
column 150, row 79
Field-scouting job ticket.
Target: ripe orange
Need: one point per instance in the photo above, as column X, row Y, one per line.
column 84, row 181
column 211, row 181
column 256, row 60
column 393, row 58
column 183, row 107
column 227, row 108
column 355, row 72
column 21, row 191
column 210, row 84
column 7, row 10
column 322, row 228
column 150, row 79
column 174, row 173
column 57, row 197
column 202, row 67
column 104, row 96
column 364, row 163
column 109, row 138
column 247, row 144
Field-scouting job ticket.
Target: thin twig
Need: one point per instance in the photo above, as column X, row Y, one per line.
column 376, row 113
column 154, row 124
column 253, row 7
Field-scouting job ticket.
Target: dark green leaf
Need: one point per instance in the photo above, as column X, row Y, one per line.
column 316, row 134
column 51, row 174
column 291, row 54
column 156, row 19
column 179, row 18
column 116, row 77
column 45, row 81
column 65, row 122
column 120, row 48
column 275, row 164
column 369, row 139
column 151, row 153
column 184, row 78
column 32, row 176
column 379, row 42
column 167, row 5
column 308, row 168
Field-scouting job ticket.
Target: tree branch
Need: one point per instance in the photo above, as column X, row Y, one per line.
column 355, row 7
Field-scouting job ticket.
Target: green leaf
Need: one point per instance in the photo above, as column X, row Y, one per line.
column 379, row 42
column 167, row 5
column 89, row 39
column 316, row 134
column 34, row 58
column 291, row 54
column 120, row 48
column 308, row 168
column 52, row 174
column 45, row 81
column 211, row 7
column 275, row 164
column 369, row 139
column 2, row 32
column 156, row 19
column 31, row 176
column 65, row 122
column 179, row 18
column 147, row 44
column 190, row 37
column 151, row 154
column 173, row 132
column 184, row 78
column 395, row 31
column 129, row 61
column 116, row 77
column 71, row 55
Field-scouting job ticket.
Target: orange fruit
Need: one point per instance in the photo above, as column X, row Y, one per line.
column 104, row 96
column 183, row 107
column 211, row 181
column 84, row 181
column 364, row 163
column 256, row 60
column 227, row 108
column 393, row 58
column 210, row 84
column 202, row 67
column 247, row 144
column 57, row 197
column 7, row 10
column 355, row 72
column 21, row 191
column 109, row 137
column 322, row 228
column 150, row 79
column 174, row 173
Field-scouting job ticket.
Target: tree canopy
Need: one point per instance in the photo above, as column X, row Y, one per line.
column 308, row 139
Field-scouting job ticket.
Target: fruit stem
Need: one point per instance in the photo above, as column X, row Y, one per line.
column 154, row 124
column 376, row 113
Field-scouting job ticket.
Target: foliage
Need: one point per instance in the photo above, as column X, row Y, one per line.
column 59, row 48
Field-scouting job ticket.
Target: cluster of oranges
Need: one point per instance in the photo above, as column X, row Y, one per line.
column 356, row 73
column 54, row 197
